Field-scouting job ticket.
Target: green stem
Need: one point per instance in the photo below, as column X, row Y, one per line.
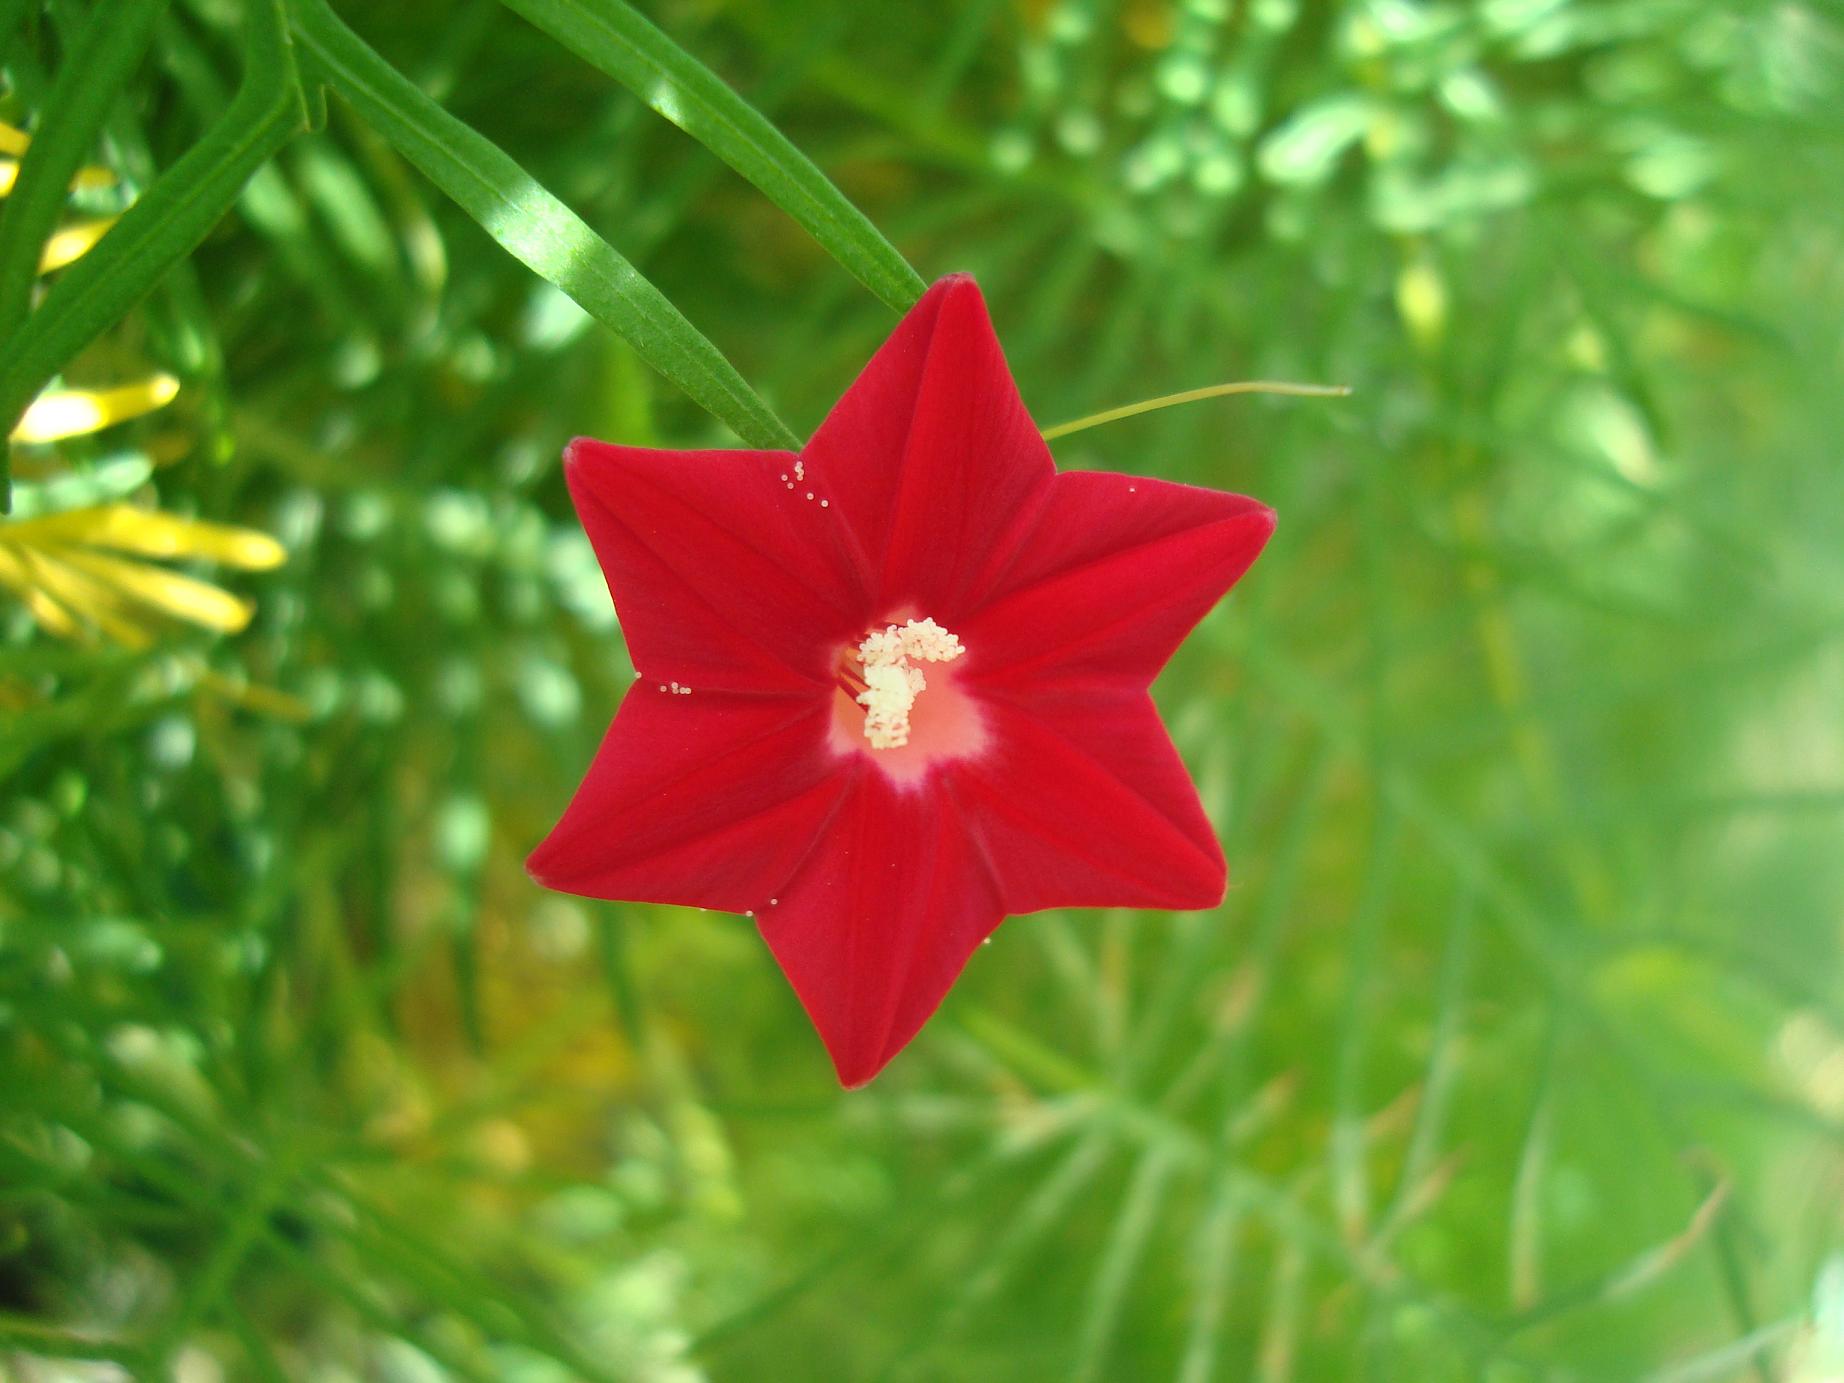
column 1213, row 391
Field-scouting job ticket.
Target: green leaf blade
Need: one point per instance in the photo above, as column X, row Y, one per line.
column 90, row 81
column 535, row 227
column 618, row 41
column 161, row 228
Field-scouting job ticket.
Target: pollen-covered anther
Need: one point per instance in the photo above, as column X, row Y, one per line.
column 892, row 682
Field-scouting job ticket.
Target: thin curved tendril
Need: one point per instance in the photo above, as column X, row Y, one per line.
column 1214, row 391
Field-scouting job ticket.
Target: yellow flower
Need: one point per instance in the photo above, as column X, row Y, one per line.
column 85, row 569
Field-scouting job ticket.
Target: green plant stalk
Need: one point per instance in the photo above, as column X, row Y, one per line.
column 160, row 229
column 613, row 37
column 534, row 226
column 1210, row 391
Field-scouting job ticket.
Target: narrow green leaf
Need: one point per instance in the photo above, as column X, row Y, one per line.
column 620, row 42
column 161, row 228
column 1036, row 1217
column 1348, row 1150
column 1054, row 1195
column 533, row 226
column 49, row 1342
column 89, row 82
column 1441, row 1070
column 12, row 22
column 1120, row 1261
column 1729, row 1360
column 1525, row 1234
column 1213, row 1269
column 1280, row 1336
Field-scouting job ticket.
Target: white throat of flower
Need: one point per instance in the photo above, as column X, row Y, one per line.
column 892, row 682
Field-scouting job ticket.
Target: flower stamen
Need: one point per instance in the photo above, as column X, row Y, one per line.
column 881, row 676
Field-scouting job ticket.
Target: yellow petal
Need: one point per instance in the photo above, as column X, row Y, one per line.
column 86, row 178
column 72, row 243
column 44, row 609
column 13, row 140
column 85, row 597
column 151, row 533
column 182, row 597
column 57, row 414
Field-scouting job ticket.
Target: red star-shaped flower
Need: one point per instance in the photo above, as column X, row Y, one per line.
column 894, row 687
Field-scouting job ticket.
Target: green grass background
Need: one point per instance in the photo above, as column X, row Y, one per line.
column 1517, row 1050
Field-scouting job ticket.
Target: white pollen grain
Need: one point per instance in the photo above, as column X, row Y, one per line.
column 784, row 475
column 750, row 913
column 662, row 686
column 825, row 504
column 774, row 902
column 809, row 494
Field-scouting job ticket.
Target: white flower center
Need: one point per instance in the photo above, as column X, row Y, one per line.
column 892, row 682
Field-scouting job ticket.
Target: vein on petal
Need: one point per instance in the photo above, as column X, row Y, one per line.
column 851, row 774
column 721, row 615
column 1035, row 823
column 778, row 561
column 1096, row 632
column 668, row 785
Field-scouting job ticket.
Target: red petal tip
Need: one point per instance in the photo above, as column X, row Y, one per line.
column 857, row 1069
column 537, row 865
column 856, row 1080
column 955, row 285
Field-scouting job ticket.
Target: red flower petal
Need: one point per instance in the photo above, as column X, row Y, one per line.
column 742, row 574
column 930, row 458
column 880, row 920
column 721, row 575
column 1112, row 576
column 708, row 800
column 1083, row 802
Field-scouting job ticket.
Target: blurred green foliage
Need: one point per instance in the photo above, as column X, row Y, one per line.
column 1518, row 1048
